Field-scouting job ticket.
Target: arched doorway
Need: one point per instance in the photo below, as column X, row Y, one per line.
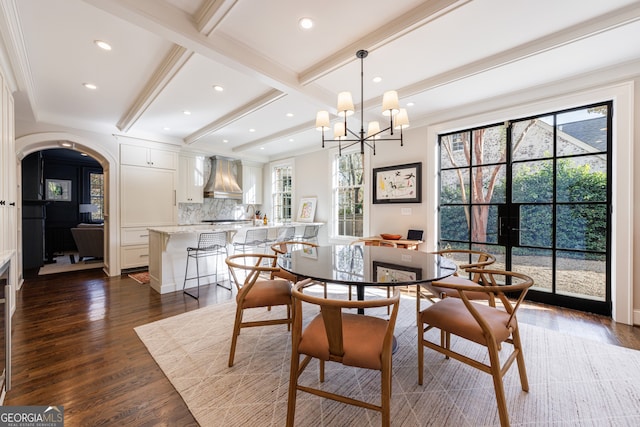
column 107, row 160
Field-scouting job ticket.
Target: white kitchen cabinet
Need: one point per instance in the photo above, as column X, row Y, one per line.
column 190, row 179
column 147, row 197
column 136, row 155
column 252, row 184
column 134, row 256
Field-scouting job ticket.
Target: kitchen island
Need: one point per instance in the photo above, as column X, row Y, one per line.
column 168, row 251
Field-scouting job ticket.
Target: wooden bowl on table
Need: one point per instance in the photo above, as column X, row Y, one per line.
column 391, row 236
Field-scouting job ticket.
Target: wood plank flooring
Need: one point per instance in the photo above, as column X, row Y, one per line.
column 74, row 345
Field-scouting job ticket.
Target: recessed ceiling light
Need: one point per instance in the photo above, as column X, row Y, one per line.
column 166, row 128
column 291, row 139
column 186, row 112
column 305, row 23
column 410, row 104
column 218, row 88
column 102, row 44
column 65, row 144
column 377, row 79
column 289, row 114
column 262, row 148
column 224, row 141
column 90, row 86
column 252, row 130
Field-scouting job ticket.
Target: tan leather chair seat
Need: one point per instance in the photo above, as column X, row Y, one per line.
column 362, row 349
column 265, row 293
column 452, row 315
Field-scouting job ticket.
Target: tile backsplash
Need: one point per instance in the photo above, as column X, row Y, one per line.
column 194, row 213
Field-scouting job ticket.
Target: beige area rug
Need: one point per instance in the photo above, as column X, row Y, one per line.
column 573, row 381
column 63, row 264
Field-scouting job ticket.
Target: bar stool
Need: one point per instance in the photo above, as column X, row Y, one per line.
column 283, row 234
column 209, row 245
column 310, row 233
column 254, row 239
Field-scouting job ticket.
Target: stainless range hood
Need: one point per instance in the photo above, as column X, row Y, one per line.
column 223, row 182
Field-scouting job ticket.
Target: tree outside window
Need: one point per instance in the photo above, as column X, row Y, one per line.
column 348, row 195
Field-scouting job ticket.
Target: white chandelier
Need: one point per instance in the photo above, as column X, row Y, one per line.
column 398, row 118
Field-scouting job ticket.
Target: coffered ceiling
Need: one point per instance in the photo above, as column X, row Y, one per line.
column 167, row 56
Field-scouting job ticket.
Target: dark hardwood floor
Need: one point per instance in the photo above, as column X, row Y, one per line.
column 74, row 345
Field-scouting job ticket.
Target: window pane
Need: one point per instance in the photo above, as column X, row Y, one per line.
column 488, row 184
column 454, row 186
column 532, row 182
column 282, row 189
column 582, row 131
column 488, row 145
column 349, row 195
column 484, row 222
column 536, row 225
column 582, row 179
column 454, row 150
column 582, row 275
column 96, row 195
column 582, row 226
column 532, row 139
column 453, row 223
column 535, row 263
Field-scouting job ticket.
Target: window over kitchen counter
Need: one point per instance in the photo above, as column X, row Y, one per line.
column 282, row 187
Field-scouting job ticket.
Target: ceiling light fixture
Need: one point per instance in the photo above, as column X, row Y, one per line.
column 186, row 112
column 218, row 88
column 398, row 118
column 90, row 86
column 305, row 23
column 102, row 44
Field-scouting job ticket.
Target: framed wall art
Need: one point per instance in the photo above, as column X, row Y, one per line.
column 307, row 209
column 58, row 189
column 391, row 273
column 398, row 184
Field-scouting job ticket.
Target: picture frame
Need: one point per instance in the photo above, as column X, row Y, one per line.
column 309, row 252
column 391, row 273
column 58, row 190
column 307, row 209
column 398, row 184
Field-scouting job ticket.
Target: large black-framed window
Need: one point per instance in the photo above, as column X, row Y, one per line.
column 536, row 191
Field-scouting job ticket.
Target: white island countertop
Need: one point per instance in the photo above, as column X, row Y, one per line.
column 193, row 228
column 168, row 249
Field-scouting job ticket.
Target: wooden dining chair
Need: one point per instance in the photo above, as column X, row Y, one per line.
column 283, row 248
column 466, row 259
column 350, row 339
column 481, row 323
column 255, row 291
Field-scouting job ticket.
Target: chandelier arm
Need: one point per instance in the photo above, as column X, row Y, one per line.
column 353, row 133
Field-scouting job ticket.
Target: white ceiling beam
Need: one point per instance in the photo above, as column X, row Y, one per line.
column 601, row 24
column 211, row 14
column 275, row 136
column 162, row 76
column 174, row 25
column 248, row 108
column 417, row 17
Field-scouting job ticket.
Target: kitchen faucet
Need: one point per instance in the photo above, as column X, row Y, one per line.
column 253, row 209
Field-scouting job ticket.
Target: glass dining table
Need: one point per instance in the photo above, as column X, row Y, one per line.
column 361, row 265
